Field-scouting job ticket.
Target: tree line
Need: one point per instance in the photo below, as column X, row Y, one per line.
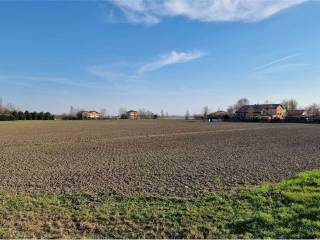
column 10, row 113
column 26, row 115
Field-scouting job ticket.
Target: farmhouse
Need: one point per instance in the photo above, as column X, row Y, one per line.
column 296, row 113
column 89, row 114
column 261, row 111
column 132, row 115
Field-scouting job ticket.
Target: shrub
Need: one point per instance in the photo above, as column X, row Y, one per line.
column 7, row 117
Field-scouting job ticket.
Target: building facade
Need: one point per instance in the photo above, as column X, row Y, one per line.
column 90, row 115
column 261, row 112
column 132, row 115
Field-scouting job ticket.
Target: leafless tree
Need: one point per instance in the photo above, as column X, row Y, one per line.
column 162, row 113
column 142, row 113
column 313, row 110
column 122, row 111
column 231, row 110
column 267, row 102
column 290, row 104
column 187, row 115
column 10, row 107
column 205, row 112
column 2, row 108
column 240, row 103
column 103, row 112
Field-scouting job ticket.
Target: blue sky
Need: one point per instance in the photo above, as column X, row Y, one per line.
column 168, row 54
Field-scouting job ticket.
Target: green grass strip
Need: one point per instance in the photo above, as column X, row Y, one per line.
column 289, row 209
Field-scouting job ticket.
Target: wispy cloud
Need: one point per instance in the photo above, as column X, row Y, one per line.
column 274, row 62
column 170, row 59
column 105, row 73
column 152, row 12
column 31, row 81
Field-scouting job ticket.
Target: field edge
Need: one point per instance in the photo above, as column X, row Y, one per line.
column 288, row 209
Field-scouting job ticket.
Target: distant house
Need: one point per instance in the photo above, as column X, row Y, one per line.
column 296, row 113
column 89, row 114
column 132, row 115
column 261, row 112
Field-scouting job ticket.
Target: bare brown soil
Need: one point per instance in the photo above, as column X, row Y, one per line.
column 153, row 156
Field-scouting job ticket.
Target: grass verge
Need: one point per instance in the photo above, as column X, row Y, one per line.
column 289, row 209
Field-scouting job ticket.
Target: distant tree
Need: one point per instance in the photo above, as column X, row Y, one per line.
column 187, row 115
column 313, row 110
column 142, row 113
column 205, row 112
column 21, row 116
column 6, row 117
column 40, row 116
column 230, row 110
column 47, row 116
column 72, row 110
column 34, row 115
column 290, row 104
column 15, row 115
column 162, row 113
column 240, row 103
column 103, row 112
column 1, row 105
column 10, row 107
column 122, row 113
column 27, row 115
column 79, row 116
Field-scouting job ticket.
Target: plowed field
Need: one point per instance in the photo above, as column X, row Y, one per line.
column 172, row 157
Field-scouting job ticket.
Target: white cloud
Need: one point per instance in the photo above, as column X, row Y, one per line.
column 151, row 11
column 169, row 59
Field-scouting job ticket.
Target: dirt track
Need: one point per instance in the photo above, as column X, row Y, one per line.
column 155, row 157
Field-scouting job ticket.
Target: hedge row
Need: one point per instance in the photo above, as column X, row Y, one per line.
column 14, row 115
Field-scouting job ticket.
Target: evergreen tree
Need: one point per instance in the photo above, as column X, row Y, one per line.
column 34, row 115
column 40, row 116
column 47, row 116
column 27, row 115
column 21, row 116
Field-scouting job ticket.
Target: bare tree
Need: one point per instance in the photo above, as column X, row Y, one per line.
column 103, row 112
column 162, row 113
column 240, row 103
column 290, row 104
column 142, row 113
column 231, row 110
column 187, row 115
column 2, row 108
column 71, row 110
column 122, row 111
column 10, row 107
column 205, row 112
column 313, row 110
